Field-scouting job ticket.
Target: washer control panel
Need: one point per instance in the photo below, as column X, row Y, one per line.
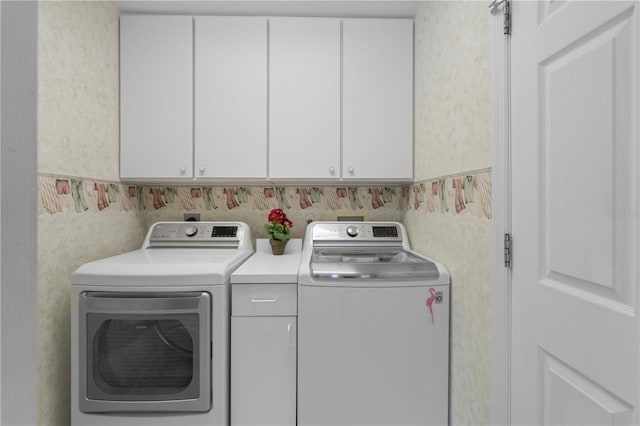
column 356, row 231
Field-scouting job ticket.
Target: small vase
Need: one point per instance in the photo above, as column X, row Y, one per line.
column 277, row 246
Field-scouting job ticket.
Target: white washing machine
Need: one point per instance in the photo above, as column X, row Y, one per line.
column 373, row 328
column 150, row 328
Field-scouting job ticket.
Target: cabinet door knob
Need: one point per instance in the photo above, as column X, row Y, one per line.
column 183, row 169
column 332, row 170
column 350, row 169
column 202, row 169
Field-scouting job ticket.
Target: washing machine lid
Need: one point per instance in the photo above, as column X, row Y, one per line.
column 163, row 267
column 388, row 263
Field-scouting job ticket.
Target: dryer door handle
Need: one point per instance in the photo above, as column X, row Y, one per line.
column 263, row 300
column 125, row 303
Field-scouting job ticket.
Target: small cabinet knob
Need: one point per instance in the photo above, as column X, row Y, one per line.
column 183, row 169
column 202, row 169
column 350, row 169
column 332, row 170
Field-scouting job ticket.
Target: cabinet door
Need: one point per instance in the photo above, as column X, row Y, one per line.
column 304, row 98
column 263, row 371
column 377, row 99
column 156, row 97
column 230, row 97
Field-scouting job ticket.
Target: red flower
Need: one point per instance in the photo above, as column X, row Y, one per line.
column 280, row 217
column 279, row 225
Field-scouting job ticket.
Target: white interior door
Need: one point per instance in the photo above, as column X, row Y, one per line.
column 575, row 213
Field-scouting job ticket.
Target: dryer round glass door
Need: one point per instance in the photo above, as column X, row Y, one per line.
column 145, row 352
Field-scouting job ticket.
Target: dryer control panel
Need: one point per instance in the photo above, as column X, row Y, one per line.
column 209, row 234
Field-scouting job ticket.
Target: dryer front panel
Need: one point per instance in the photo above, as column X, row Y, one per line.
column 145, row 352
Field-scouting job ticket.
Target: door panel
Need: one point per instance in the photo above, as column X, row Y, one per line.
column 575, row 222
column 549, row 7
column 587, row 73
column 571, row 398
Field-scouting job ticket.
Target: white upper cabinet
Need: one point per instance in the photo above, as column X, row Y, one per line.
column 304, row 98
column 377, row 99
column 230, row 97
column 156, row 102
column 256, row 99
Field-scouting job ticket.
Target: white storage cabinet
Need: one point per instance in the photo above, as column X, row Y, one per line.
column 264, row 294
column 156, row 102
column 377, row 99
column 263, row 365
column 162, row 136
column 304, row 98
column 230, row 97
column 340, row 98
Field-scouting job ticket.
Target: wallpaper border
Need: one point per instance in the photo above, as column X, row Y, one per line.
column 457, row 194
column 60, row 193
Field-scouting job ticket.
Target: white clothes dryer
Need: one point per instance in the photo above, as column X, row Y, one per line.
column 373, row 328
column 150, row 328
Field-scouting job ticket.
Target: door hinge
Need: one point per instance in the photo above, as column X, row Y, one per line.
column 507, row 13
column 507, row 250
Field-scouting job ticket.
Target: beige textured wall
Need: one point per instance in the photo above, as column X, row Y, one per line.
column 78, row 89
column 452, row 88
column 452, row 137
column 462, row 243
column 77, row 136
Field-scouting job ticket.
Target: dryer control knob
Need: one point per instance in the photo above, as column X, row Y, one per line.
column 352, row 231
column 191, row 231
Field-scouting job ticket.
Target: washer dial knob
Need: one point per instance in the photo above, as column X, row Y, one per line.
column 352, row 231
column 191, row 231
